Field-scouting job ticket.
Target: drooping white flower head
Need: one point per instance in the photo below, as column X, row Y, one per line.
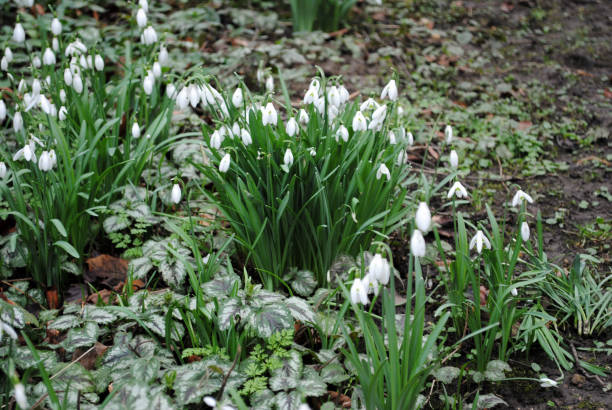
column 3, row 170
column 390, row 90
column 269, row 115
column 359, row 122
column 514, row 292
column 2, row 111
column 379, row 114
column 457, row 190
column 291, row 127
column 77, row 84
column 141, row 18
column 44, row 162
column 304, row 118
column 215, row 140
column 148, row 82
column 99, row 62
column 423, row 217
column 36, row 62
column 144, row 4
column 63, row 113
column 56, row 27
column 521, row 196
column 359, row 292
column 245, row 135
column 333, row 96
column 392, row 138
column 546, row 382
column 270, row 84
column 48, row 57
column 344, row 94
column 402, row 158
column 383, row 170
column 448, row 134
column 20, row 396
column 76, row 48
column 453, row 159
column 182, row 99
column 379, row 269
column 55, row 44
column 18, row 33
column 163, row 56
column 417, row 244
column 8, row 53
column 525, row 231
column 149, row 36
column 288, row 158
column 342, row 133
column 175, row 195
column 237, row 98
column 319, row 104
column 479, row 240
column 17, row 122
column 311, row 95
column 4, row 63
column 135, row 130
column 225, row 163
column 368, row 104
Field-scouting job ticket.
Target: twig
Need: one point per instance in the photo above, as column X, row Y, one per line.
column 581, row 369
column 71, row 363
column 220, row 394
column 23, row 293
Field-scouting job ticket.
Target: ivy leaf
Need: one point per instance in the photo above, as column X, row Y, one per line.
column 270, row 319
column 303, row 282
column 300, row 309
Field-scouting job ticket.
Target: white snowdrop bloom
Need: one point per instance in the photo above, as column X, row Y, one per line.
column 44, row 162
column 417, row 244
column 521, row 196
column 175, row 195
column 359, row 122
column 76, row 48
column 36, row 63
column 453, row 159
column 63, row 113
column 312, row 151
column 514, row 292
column 20, row 396
column 148, row 82
column 83, row 61
column 525, row 231
column 210, row 401
column 90, row 63
column 2, row 111
column 4, row 64
column 68, row 77
column 157, row 71
column 163, row 56
column 136, row 130
column 260, row 75
column 215, row 140
column 52, row 110
column 311, row 96
column 235, row 130
column 141, row 18
column 375, row 125
column 182, row 99
column 359, row 292
column 8, row 53
column 18, row 33
column 246, row 137
column 448, row 134
column 77, row 84
column 390, row 90
column 379, row 114
column 36, row 86
column 303, row 117
column 48, row 57
column 383, row 170
column 17, row 122
column 270, row 84
column 144, row 4
column 237, row 98
column 423, row 217
column 27, row 153
column 3, row 170
column 344, row 94
column 292, row 127
column 457, row 190
column 332, row 112
column 402, row 158
column 315, row 85
column 288, row 158
column 269, row 115
column 546, row 382
column 171, row 91
column 55, row 44
column 342, row 133
column 410, row 138
column 149, row 36
column 379, row 269
column 62, row 95
column 99, row 62
column 320, row 105
column 45, row 105
column 368, row 104
column 56, row 27
column 479, row 240
column 333, row 96
column 225, row 163
column 392, row 139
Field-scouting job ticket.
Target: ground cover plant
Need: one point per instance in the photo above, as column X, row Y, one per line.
column 216, row 205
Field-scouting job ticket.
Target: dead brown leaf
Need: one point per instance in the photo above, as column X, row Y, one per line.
column 607, row 93
column 524, row 125
column 103, row 295
column 106, row 269
column 340, row 399
column 88, row 361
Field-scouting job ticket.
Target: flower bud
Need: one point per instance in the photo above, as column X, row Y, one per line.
column 99, row 62
column 417, row 244
column 56, row 27
column 135, row 130
column 18, row 33
column 225, row 163
column 291, row 127
column 454, row 159
column 525, row 231
column 423, row 217
column 141, row 18
column 175, row 196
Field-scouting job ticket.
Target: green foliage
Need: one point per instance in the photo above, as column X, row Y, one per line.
column 326, row 15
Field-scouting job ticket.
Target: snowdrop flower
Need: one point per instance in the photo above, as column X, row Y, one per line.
column 304, row 118
column 36, row 86
column 423, row 217
column 546, row 382
column 448, row 134
column 44, row 162
column 156, row 70
column 182, row 99
column 56, row 27
column 269, row 115
column 359, row 122
column 22, row 86
column 521, row 196
column 333, row 96
column 311, row 95
column 417, row 244
column 453, row 159
column 525, row 231
column 171, row 91
column 135, row 130
column 20, row 396
column 175, row 195
column 8, row 54
column 359, row 292
column 77, row 84
column 63, row 112
column 344, row 94
column 62, row 95
column 68, row 77
column 3, row 170
column 457, row 190
column 514, row 292
column 2, row 111
column 235, row 130
column 410, row 138
column 392, row 139
column 332, row 112
column 383, row 170
column 141, row 18
column 144, row 4
column 375, row 125
column 163, row 56
column 291, row 127
column 315, row 85
column 379, row 114
column 270, row 84
column 45, row 105
column 288, row 158
column 17, row 122
column 379, row 269
column 99, row 62
column 246, row 137
column 478, row 240
column 27, row 153
column 75, row 48
column 36, row 63
column 225, row 163
column 368, row 105
column 390, row 90
column 215, row 140
column 55, row 44
column 149, row 36
column 48, row 57
column 237, row 97
column 18, row 33
column 4, row 64
column 320, row 105
column 148, row 82
column 402, row 158
column 342, row 133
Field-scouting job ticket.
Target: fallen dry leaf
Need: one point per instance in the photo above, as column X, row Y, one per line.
column 88, row 361
column 524, row 125
column 340, row 399
column 103, row 295
column 106, row 269
column 607, row 93
column 52, row 298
